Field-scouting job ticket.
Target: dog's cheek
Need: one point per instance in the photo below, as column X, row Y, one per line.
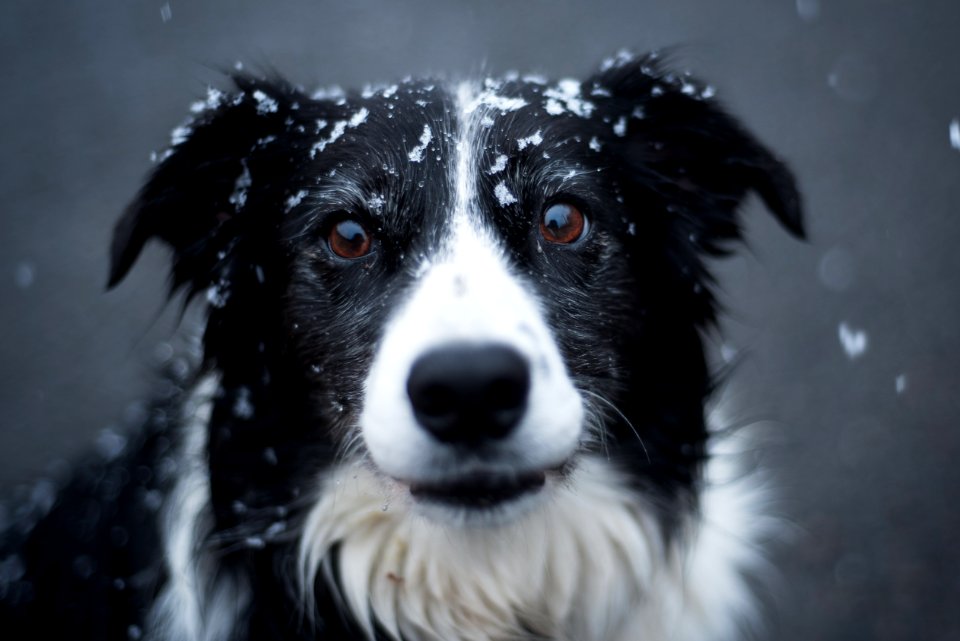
column 332, row 324
column 586, row 298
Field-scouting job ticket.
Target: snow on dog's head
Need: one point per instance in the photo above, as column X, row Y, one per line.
column 458, row 317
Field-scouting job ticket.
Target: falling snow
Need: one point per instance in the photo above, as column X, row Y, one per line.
column 808, row 10
column 270, row 456
column 900, row 384
column 594, row 144
column 23, row 275
column 854, row 341
column 955, row 133
column 110, row 444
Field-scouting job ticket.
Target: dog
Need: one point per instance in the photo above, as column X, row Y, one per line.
column 453, row 378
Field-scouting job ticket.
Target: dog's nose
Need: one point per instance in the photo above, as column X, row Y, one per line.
column 466, row 393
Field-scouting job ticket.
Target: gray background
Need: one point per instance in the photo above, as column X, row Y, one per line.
column 858, row 95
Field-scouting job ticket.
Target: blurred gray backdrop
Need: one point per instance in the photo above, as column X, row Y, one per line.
column 851, row 340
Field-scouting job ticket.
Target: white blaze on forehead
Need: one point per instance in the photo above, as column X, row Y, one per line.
column 466, row 292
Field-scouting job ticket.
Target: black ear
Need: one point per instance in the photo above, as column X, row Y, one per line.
column 197, row 199
column 679, row 142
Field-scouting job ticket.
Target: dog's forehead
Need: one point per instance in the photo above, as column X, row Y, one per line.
column 420, row 150
column 406, row 121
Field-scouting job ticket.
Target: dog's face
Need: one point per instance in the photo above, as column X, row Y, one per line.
column 469, row 288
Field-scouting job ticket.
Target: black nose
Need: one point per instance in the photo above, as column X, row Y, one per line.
column 466, row 393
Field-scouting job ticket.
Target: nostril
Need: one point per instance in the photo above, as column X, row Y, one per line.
column 469, row 392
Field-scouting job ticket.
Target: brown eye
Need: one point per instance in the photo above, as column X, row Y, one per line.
column 562, row 224
column 349, row 239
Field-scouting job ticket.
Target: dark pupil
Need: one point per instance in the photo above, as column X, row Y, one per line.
column 557, row 219
column 352, row 233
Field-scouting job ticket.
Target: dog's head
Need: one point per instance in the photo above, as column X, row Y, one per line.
column 469, row 288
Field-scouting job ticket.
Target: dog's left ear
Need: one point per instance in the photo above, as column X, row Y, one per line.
column 204, row 194
column 686, row 150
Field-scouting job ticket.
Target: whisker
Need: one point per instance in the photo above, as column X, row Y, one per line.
column 613, row 407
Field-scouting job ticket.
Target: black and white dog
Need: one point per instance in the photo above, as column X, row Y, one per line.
column 453, row 375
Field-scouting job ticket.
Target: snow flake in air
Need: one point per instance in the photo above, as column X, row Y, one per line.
column 900, row 383
column 955, row 133
column 595, row 144
column 854, row 341
column 23, row 275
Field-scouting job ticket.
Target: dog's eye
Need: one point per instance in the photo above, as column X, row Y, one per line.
column 563, row 224
column 349, row 239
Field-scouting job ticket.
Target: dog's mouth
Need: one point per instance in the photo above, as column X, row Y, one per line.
column 479, row 490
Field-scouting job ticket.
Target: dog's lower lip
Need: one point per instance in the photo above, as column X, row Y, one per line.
column 479, row 490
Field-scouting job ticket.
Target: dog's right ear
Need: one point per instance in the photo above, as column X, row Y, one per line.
column 197, row 201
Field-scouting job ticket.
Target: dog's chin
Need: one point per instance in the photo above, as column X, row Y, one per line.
column 480, row 498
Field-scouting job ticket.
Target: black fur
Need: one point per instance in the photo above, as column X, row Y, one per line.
column 244, row 203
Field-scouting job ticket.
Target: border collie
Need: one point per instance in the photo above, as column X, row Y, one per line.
column 453, row 380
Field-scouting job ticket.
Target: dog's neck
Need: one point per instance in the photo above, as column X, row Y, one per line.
column 582, row 567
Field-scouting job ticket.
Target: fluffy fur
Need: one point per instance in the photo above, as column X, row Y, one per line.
column 302, row 482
